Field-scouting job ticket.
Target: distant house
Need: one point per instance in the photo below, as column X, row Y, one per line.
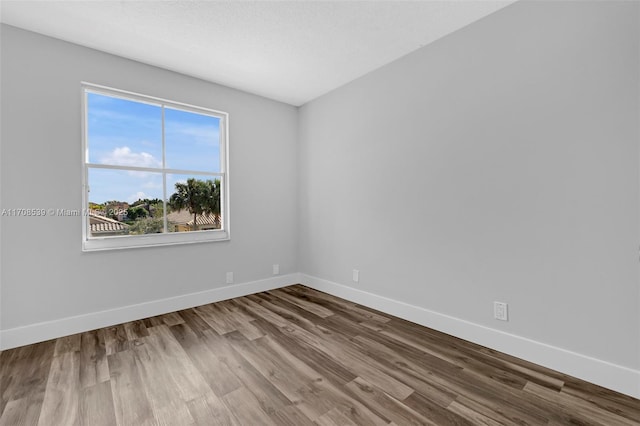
column 182, row 221
column 116, row 209
column 102, row 226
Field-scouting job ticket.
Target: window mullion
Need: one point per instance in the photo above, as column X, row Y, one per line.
column 164, row 178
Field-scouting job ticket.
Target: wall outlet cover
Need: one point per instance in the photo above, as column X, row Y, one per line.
column 501, row 311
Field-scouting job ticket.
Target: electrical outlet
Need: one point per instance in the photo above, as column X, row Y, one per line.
column 356, row 275
column 229, row 277
column 501, row 311
column 276, row 269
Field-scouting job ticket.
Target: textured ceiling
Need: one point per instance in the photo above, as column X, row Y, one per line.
column 291, row 51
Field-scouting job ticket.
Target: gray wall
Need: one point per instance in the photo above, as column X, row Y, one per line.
column 498, row 163
column 45, row 276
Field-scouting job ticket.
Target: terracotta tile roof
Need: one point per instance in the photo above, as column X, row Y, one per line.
column 183, row 217
column 101, row 225
column 205, row 220
column 179, row 217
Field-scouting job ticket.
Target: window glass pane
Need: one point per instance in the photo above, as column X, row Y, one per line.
column 193, row 199
column 180, row 189
column 123, row 133
column 192, row 141
column 124, row 202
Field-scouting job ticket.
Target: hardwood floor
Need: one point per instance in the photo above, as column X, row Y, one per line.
column 292, row 356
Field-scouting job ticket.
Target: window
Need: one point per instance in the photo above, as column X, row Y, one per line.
column 155, row 171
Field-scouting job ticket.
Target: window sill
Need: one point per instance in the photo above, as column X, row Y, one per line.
column 153, row 240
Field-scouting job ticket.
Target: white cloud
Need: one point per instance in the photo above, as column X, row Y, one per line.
column 137, row 196
column 125, row 157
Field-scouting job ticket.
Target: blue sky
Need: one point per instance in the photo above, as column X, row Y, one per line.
column 128, row 133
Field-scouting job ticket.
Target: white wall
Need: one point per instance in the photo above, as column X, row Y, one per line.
column 45, row 276
column 498, row 163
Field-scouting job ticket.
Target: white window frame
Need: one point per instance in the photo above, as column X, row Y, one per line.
column 90, row 243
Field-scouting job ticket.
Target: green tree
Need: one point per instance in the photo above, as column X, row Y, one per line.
column 95, row 207
column 198, row 197
column 157, row 209
column 146, row 202
column 147, row 225
column 137, row 212
column 192, row 196
column 213, row 204
column 113, row 209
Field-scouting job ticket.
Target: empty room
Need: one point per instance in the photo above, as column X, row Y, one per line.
column 320, row 212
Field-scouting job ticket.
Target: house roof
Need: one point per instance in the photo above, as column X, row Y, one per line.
column 100, row 224
column 183, row 217
column 205, row 220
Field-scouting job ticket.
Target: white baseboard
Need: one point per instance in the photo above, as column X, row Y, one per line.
column 42, row 331
column 618, row 378
column 621, row 379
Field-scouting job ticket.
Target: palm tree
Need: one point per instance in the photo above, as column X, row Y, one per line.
column 190, row 196
column 213, row 204
column 198, row 197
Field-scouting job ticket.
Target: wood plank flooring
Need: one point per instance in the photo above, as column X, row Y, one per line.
column 292, row 356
